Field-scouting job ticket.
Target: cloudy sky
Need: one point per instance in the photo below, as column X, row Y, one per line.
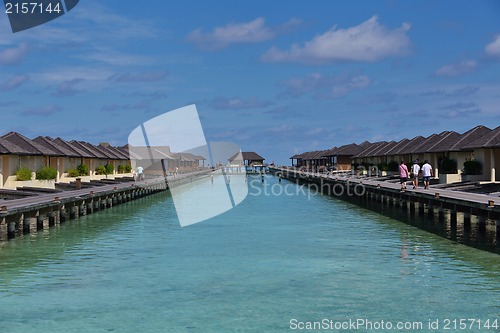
column 276, row 77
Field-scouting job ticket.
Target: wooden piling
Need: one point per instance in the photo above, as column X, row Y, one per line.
column 26, row 225
column 39, row 222
column 52, row 218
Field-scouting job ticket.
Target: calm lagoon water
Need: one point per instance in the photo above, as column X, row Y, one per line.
column 270, row 260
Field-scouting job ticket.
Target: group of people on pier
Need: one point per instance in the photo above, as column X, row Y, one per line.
column 414, row 173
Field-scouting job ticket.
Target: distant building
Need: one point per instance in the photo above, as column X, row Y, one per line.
column 246, row 158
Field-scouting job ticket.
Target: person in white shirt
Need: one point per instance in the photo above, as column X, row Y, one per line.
column 426, row 173
column 415, row 170
column 140, row 173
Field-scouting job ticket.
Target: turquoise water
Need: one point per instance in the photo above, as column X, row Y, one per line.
column 270, row 260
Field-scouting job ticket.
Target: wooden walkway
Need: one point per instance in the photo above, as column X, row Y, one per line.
column 362, row 188
column 47, row 209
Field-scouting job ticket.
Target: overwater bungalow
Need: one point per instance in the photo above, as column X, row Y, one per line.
column 343, row 155
column 248, row 159
column 446, row 152
column 39, row 156
column 373, row 154
column 97, row 158
column 154, row 160
column 62, row 162
column 312, row 160
column 486, row 150
column 77, row 157
column 115, row 156
column 402, row 151
column 298, row 158
column 450, row 153
column 10, row 161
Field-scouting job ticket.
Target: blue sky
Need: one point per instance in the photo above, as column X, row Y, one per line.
column 275, row 77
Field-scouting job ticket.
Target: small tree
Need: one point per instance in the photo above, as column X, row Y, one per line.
column 83, row 170
column 100, row 170
column 109, row 169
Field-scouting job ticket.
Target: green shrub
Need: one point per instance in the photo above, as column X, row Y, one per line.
column 124, row 168
column 73, row 173
column 121, row 168
column 100, row 170
column 109, row 169
column 393, row 166
column 383, row 166
column 83, row 170
column 473, row 167
column 23, row 174
column 46, row 173
column 448, row 166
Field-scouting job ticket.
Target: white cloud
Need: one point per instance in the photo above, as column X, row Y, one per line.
column 367, row 42
column 237, row 103
column 13, row 56
column 141, row 77
column 42, row 111
column 247, row 32
column 493, row 48
column 324, row 86
column 460, row 68
column 67, row 88
column 14, row 82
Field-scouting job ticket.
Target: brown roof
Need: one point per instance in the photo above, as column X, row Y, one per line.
column 155, row 153
column 351, row 149
column 297, row 156
column 490, row 140
column 8, row 148
column 374, row 149
column 431, row 141
column 68, row 146
column 90, row 149
column 111, row 152
column 328, row 152
column 399, row 145
column 29, row 145
column 409, row 146
column 247, row 156
column 382, row 149
column 49, row 143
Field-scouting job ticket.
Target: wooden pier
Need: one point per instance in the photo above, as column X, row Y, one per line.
column 26, row 214
column 34, row 213
column 437, row 203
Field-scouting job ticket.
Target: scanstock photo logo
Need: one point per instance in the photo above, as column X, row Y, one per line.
column 25, row 15
column 165, row 146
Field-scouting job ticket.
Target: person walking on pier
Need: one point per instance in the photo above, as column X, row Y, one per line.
column 140, row 173
column 415, row 171
column 427, row 173
column 403, row 175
